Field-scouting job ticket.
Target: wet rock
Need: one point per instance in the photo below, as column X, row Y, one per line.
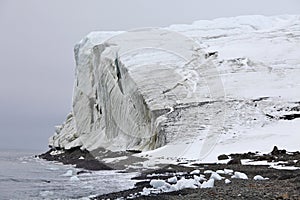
column 266, row 157
column 209, row 54
column 290, row 117
column 92, row 165
column 290, row 163
column 73, row 155
column 223, row 157
column 83, row 172
column 234, row 161
column 276, row 151
column 133, row 151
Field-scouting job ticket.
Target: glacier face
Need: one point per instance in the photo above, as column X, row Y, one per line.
column 121, row 105
column 147, row 88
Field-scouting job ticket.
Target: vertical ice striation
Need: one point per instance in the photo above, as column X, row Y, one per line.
column 119, row 103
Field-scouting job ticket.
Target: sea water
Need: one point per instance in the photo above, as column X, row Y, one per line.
column 23, row 176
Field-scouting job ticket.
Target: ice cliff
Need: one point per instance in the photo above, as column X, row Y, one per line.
column 143, row 89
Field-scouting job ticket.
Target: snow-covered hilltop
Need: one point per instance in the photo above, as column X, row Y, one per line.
column 188, row 91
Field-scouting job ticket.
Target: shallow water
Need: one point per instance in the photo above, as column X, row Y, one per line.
column 22, row 176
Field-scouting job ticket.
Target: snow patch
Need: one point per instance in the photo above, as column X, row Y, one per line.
column 56, row 152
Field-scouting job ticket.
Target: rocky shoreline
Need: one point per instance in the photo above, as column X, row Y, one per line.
column 281, row 183
column 73, row 156
column 93, row 160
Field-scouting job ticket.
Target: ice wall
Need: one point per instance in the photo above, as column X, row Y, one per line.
column 143, row 89
column 119, row 103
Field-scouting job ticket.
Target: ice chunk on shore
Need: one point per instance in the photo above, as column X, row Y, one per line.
column 74, row 178
column 68, row 173
column 220, row 171
column 200, row 178
column 216, row 176
column 239, row 175
column 172, row 179
column 186, row 183
column 208, row 171
column 208, row 184
column 157, row 183
column 146, row 191
column 227, row 181
column 228, row 171
column 259, row 178
column 196, row 171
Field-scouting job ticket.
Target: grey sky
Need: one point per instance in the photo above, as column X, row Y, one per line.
column 36, row 51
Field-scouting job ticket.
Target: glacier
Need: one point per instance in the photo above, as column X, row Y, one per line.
column 186, row 89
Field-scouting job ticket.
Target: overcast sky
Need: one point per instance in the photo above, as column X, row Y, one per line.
column 36, row 51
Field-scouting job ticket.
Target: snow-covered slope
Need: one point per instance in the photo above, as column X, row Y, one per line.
column 188, row 90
